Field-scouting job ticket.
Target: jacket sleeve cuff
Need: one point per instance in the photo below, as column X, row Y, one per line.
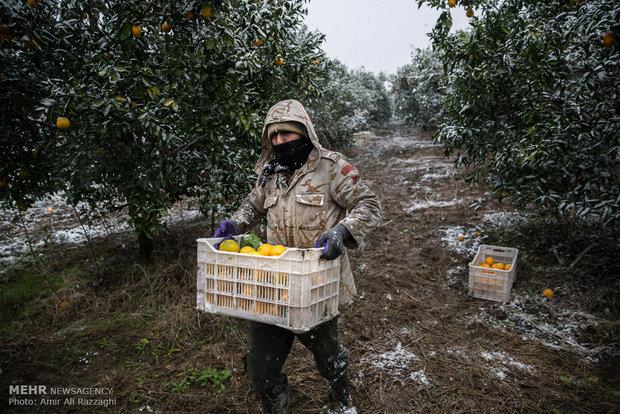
column 349, row 240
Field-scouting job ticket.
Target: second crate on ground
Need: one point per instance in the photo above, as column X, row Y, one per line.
column 489, row 283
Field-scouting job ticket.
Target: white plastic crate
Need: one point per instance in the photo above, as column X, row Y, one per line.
column 296, row 290
column 492, row 284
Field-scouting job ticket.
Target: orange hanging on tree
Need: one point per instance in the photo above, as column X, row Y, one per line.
column 136, row 31
column 62, row 122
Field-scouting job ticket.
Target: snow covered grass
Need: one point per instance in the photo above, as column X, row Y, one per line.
column 420, row 378
column 497, row 363
column 506, row 360
column 396, row 363
column 505, row 218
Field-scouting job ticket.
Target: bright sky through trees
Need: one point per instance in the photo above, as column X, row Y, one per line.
column 376, row 34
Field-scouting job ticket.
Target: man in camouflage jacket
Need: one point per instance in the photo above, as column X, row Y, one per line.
column 317, row 200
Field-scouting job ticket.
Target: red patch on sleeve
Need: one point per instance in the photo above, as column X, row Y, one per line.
column 355, row 178
column 346, row 169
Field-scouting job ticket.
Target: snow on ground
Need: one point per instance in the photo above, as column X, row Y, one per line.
column 469, row 246
column 420, row 378
column 394, row 361
column 506, row 360
column 52, row 221
column 498, row 363
column 421, row 205
column 422, row 188
column 437, row 176
column 404, row 143
column 458, row 351
column 559, row 330
column 454, row 275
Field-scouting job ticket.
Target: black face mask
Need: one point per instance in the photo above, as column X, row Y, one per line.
column 289, row 157
column 293, row 152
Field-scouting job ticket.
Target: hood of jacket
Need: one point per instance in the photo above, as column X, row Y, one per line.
column 284, row 111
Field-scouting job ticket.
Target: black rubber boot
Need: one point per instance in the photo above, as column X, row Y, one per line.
column 276, row 400
column 340, row 394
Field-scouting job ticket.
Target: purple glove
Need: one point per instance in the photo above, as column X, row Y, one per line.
column 227, row 228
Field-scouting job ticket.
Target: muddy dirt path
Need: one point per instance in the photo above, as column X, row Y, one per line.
column 417, row 341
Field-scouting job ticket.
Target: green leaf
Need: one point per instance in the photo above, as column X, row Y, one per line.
column 125, row 32
column 153, row 91
column 251, row 240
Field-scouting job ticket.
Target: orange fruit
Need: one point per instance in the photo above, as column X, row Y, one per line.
column 32, row 3
column 485, row 264
column 265, row 249
column 489, row 260
column 608, row 39
column 136, row 31
column 277, row 250
column 548, row 293
column 229, row 246
column 469, row 12
column 452, row 3
column 247, row 250
column 166, row 27
column 206, row 12
column 63, row 122
column 507, row 267
column 316, row 61
column 257, row 43
column 460, row 237
column 279, row 61
column 498, row 266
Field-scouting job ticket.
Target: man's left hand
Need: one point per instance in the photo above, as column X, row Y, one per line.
column 332, row 241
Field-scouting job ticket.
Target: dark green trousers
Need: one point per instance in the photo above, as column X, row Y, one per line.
column 270, row 345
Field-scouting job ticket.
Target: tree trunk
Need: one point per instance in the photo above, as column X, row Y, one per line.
column 146, row 246
column 212, row 220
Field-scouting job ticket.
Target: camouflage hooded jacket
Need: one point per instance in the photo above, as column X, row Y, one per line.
column 324, row 192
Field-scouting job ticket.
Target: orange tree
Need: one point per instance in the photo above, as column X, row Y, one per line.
column 349, row 101
column 533, row 100
column 418, row 89
column 162, row 99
